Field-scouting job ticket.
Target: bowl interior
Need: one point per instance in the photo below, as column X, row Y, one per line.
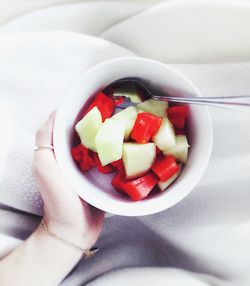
column 96, row 188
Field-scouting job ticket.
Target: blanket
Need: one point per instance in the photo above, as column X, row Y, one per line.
column 203, row 240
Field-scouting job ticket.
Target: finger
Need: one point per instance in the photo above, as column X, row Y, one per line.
column 45, row 132
column 44, row 162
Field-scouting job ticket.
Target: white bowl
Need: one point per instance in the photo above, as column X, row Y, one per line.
column 94, row 187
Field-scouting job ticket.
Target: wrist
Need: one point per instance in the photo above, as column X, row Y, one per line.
column 55, row 246
column 50, row 260
column 86, row 251
column 71, row 234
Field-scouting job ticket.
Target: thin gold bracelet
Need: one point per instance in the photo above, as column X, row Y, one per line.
column 87, row 253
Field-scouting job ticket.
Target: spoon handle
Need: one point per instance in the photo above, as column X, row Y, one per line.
column 241, row 103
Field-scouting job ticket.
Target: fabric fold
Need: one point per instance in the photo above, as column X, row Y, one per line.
column 208, row 232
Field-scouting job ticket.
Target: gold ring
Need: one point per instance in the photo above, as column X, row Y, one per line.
column 37, row 147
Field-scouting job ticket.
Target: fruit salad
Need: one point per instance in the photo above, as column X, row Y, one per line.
column 145, row 145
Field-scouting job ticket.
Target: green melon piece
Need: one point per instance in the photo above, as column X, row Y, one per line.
column 109, row 141
column 179, row 150
column 128, row 117
column 165, row 136
column 138, row 158
column 153, row 106
column 88, row 127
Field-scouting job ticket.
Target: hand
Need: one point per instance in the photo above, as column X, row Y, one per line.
column 64, row 212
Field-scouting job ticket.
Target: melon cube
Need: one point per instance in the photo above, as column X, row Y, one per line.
column 88, row 127
column 109, row 141
column 128, row 117
column 179, row 150
column 165, row 136
column 138, row 158
column 130, row 91
column 153, row 106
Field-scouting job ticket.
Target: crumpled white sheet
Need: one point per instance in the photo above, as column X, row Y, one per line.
column 209, row 231
column 36, row 71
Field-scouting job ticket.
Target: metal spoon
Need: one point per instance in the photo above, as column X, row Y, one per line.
column 241, row 103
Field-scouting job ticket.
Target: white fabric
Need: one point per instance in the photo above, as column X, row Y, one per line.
column 148, row 276
column 193, row 31
column 209, row 231
column 32, row 86
column 88, row 18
